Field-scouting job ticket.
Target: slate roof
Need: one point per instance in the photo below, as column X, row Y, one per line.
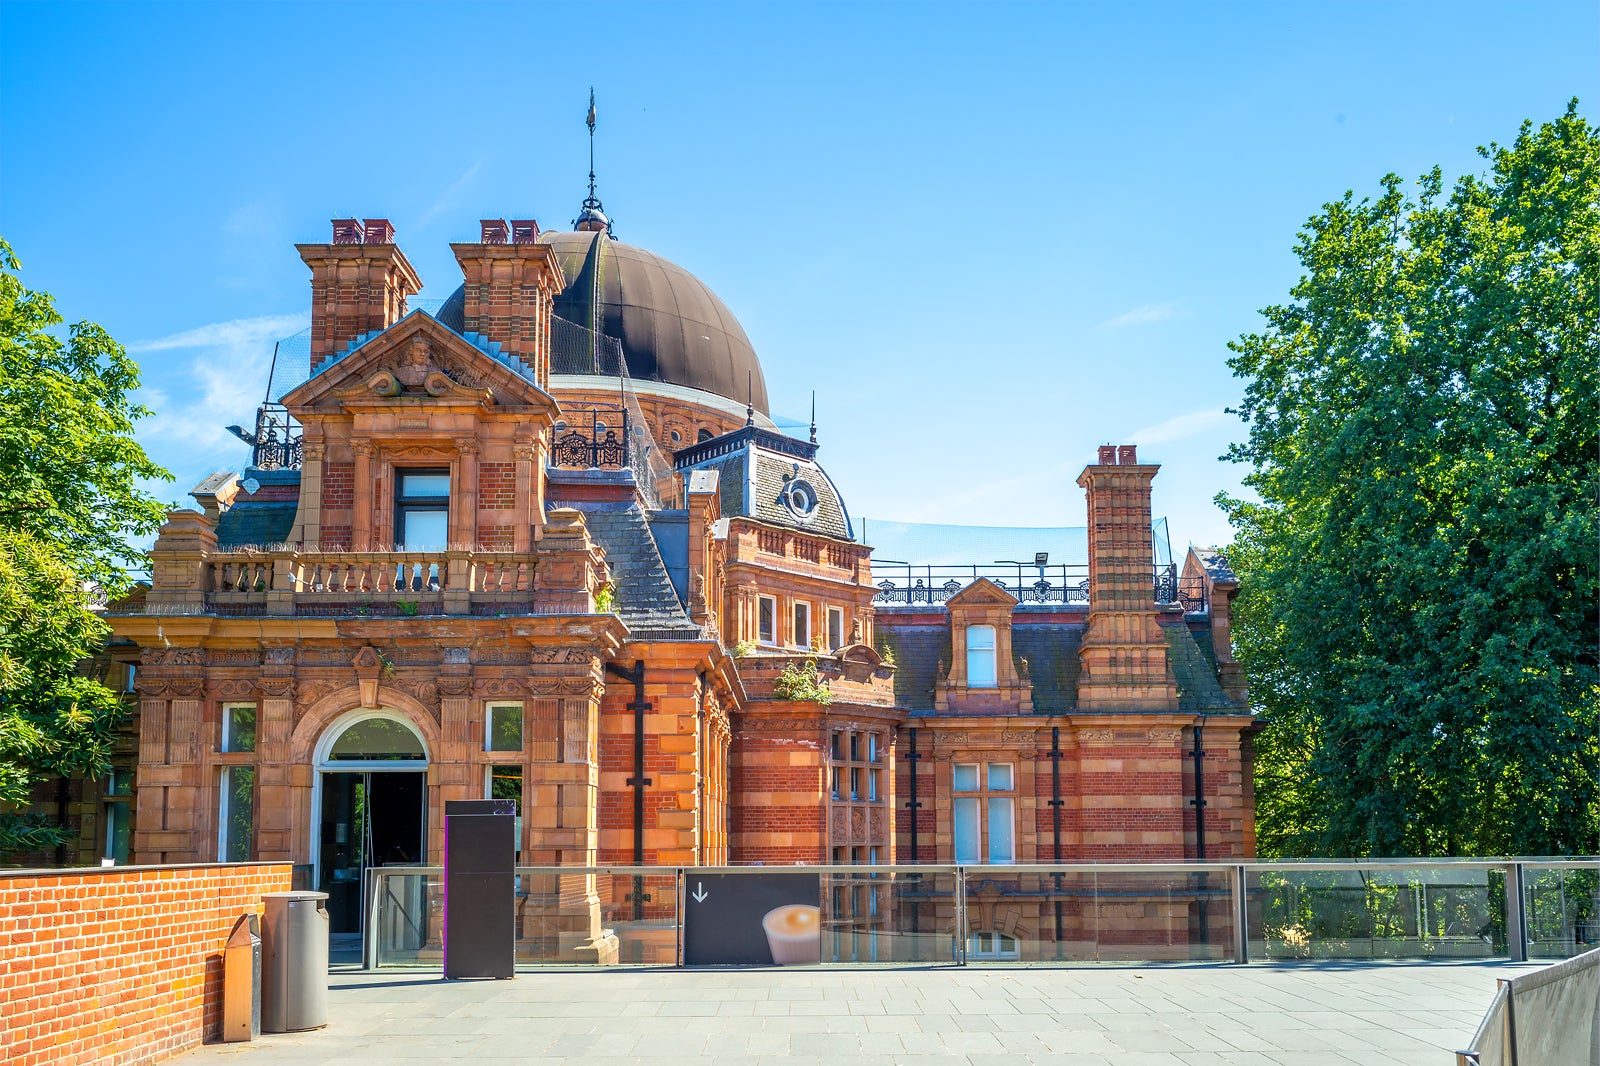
column 645, row 599
column 1052, row 654
column 1198, row 688
column 773, row 472
column 1216, row 565
column 260, row 523
column 917, row 652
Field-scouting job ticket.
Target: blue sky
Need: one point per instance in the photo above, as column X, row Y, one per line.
column 991, row 237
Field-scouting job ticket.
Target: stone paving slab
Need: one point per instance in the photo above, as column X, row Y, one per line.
column 1267, row 1015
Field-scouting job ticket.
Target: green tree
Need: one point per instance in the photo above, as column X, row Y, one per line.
column 69, row 502
column 1419, row 597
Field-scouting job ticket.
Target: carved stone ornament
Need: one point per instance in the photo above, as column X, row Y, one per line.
column 279, row 656
column 1165, row 734
column 524, row 452
column 173, row 657
column 281, row 688
column 234, row 689
column 499, row 687
column 309, row 692
column 563, row 655
column 367, row 659
column 454, row 687
column 1097, row 734
column 171, row 687
column 1011, row 736
column 312, row 451
column 456, row 656
column 839, row 824
column 385, row 383
column 425, row 691
column 858, row 824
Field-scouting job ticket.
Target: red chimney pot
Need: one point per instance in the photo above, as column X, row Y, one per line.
column 1108, row 455
column 1128, row 455
column 495, row 231
column 379, row 231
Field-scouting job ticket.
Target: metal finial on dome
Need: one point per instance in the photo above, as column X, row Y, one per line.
column 592, row 219
column 750, row 401
column 813, row 416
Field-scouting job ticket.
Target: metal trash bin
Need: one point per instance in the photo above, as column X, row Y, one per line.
column 241, row 981
column 294, row 935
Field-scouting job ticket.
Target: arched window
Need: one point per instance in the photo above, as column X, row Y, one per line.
column 980, row 657
column 375, row 740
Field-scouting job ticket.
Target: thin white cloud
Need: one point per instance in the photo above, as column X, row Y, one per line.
column 1140, row 315
column 447, row 199
column 1180, row 427
column 239, row 333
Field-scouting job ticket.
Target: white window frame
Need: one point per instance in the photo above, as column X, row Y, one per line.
column 985, row 656
column 994, row 938
column 770, row 635
column 987, row 804
column 801, row 639
column 488, row 726
column 227, row 725
column 836, row 633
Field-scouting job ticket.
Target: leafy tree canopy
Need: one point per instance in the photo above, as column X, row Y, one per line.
column 69, row 502
column 1418, row 605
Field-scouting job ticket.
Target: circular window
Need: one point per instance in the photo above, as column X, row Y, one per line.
column 677, row 438
column 799, row 497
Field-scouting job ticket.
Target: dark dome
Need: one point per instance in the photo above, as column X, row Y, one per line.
column 672, row 327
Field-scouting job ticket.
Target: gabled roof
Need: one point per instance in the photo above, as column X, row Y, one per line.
column 411, row 352
column 982, row 593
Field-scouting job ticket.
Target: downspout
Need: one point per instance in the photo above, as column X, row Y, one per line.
column 638, row 781
column 1199, row 802
column 1055, row 821
column 62, row 797
column 912, row 804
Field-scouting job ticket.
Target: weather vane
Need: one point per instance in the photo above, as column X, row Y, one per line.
column 593, row 217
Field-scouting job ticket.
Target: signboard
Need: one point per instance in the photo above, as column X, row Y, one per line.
column 751, row 919
column 480, row 926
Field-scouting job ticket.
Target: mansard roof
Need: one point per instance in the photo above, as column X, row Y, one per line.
column 772, row 478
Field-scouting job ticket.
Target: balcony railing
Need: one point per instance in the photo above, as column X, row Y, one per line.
column 910, row 584
column 1505, row 909
column 596, row 438
column 381, row 583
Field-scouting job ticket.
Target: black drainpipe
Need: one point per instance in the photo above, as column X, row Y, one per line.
column 1055, row 819
column 61, row 818
column 638, row 781
column 1199, row 803
column 913, row 757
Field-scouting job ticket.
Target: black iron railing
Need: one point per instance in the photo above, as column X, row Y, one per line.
column 276, row 443
column 595, row 438
column 910, row 584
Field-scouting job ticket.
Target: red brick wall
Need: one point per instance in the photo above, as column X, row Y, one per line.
column 338, row 486
column 497, row 486
column 119, row 965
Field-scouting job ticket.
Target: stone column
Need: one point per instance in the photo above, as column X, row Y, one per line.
column 362, row 503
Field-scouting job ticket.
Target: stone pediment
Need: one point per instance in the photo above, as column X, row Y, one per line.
column 419, row 359
column 982, row 593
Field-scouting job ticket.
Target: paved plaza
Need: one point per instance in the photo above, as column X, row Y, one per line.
column 1263, row 1015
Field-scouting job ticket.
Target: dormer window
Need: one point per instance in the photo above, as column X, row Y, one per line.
column 422, row 509
column 800, row 498
column 980, row 657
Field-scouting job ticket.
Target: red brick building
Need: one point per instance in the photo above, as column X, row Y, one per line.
column 471, row 559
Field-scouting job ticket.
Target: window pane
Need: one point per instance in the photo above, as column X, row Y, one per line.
column 855, row 782
column 855, row 747
column 1000, row 849
column 505, row 783
column 872, row 784
column 768, row 618
column 802, row 624
column 872, row 747
column 966, row 777
column 1000, row 777
column 838, row 747
column 413, row 485
column 424, row 530
column 980, row 637
column 238, row 812
column 377, row 738
column 980, row 658
column 505, row 727
column 966, row 826
column 835, row 629
column 118, row 826
column 239, row 727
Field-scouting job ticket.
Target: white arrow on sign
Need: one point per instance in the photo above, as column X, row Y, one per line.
column 700, row 894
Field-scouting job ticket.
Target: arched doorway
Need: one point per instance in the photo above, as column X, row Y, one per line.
column 372, row 807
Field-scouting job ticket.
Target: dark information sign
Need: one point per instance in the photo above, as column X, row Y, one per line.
column 480, row 855
column 751, row 919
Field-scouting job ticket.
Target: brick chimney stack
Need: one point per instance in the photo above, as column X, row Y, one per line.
column 359, row 283
column 511, row 282
column 1124, row 657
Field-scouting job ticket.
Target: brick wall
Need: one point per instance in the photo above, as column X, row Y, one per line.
column 119, row 965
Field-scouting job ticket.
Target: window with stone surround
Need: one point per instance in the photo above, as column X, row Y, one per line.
column 854, row 773
column 767, row 620
column 236, row 813
column 505, row 783
column 502, row 727
column 422, row 509
column 988, row 944
column 835, row 628
column 980, row 657
column 238, row 727
column 984, row 810
column 802, row 624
